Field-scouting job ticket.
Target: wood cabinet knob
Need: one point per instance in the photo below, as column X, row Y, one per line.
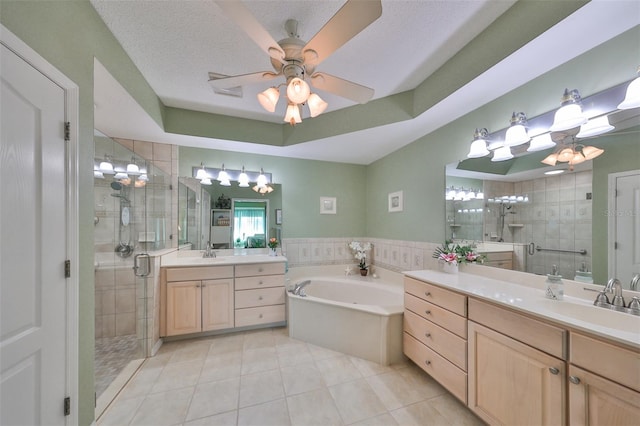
column 427, row 334
column 428, row 362
column 260, row 316
column 427, row 293
column 575, row 380
column 259, row 297
column 428, row 312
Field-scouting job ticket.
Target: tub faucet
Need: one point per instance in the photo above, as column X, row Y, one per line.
column 208, row 251
column 298, row 289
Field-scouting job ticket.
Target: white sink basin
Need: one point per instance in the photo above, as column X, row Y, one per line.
column 595, row 315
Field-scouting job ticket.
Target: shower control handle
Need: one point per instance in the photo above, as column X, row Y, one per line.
column 142, row 264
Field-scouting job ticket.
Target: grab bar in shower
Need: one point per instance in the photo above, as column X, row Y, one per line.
column 582, row 251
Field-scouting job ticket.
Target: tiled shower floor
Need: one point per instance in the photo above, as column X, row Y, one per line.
column 112, row 355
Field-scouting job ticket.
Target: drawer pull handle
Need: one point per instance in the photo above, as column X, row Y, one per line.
column 259, row 297
column 260, row 283
column 427, row 293
column 428, row 312
column 428, row 362
column 554, row 371
column 575, row 380
column 259, row 269
column 260, row 316
column 427, row 334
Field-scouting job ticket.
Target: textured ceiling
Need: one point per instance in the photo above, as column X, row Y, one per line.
column 176, row 43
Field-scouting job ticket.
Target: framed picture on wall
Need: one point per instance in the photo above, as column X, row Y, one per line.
column 278, row 216
column 395, row 202
column 327, row 205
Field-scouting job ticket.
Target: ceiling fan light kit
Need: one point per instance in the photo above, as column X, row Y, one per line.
column 295, row 59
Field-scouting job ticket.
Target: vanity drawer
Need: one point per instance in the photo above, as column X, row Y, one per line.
column 199, row 273
column 540, row 335
column 437, row 295
column 447, row 344
column 261, row 315
column 259, row 297
column 442, row 317
column 256, row 269
column 610, row 361
column 246, row 283
column 447, row 374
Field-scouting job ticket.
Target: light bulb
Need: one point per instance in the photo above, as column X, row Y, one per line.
column 298, row 91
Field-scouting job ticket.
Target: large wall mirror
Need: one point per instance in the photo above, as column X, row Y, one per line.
column 226, row 216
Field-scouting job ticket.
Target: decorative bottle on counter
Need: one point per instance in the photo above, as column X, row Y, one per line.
column 555, row 286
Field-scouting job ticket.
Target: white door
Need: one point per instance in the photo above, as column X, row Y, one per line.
column 33, row 247
column 626, row 217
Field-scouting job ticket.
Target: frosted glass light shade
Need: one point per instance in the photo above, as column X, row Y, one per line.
column 224, row 182
column 202, row 174
column 206, row 181
column 133, row 167
column 566, row 155
column 269, row 98
column 541, row 142
column 121, row 175
column 516, row 135
column 568, row 117
column 98, row 174
column 298, row 91
column 223, row 176
column 551, row 159
column 316, row 105
column 502, row 154
column 591, row 152
column 594, row 127
column 262, row 180
column 478, row 149
column 106, row 167
column 632, row 98
column 243, row 179
column 293, row 114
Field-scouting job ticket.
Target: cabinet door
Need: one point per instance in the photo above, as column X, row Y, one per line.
column 594, row 400
column 512, row 383
column 217, row 304
column 183, row 307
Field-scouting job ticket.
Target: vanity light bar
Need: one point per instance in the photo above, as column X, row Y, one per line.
column 233, row 175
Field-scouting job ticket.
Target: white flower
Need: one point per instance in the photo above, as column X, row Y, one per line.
column 360, row 251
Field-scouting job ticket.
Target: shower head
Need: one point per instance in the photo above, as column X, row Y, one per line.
column 116, row 185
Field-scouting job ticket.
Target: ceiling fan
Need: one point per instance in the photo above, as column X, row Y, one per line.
column 297, row 60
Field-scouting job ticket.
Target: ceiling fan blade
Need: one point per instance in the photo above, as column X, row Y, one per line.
column 353, row 17
column 243, row 17
column 241, row 80
column 341, row 87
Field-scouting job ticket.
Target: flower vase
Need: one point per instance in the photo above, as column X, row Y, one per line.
column 450, row 268
column 364, row 272
column 272, row 252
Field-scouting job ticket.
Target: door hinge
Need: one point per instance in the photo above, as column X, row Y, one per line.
column 67, row 269
column 67, row 406
column 67, row 131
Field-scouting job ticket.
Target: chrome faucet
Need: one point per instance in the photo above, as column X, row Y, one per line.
column 634, row 282
column 618, row 300
column 298, row 289
column 209, row 251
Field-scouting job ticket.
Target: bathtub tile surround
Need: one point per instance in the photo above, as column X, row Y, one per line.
column 394, row 255
column 297, row 395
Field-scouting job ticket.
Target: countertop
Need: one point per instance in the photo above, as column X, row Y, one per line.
column 572, row 312
column 194, row 258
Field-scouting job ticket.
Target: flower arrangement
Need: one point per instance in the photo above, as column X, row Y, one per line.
column 273, row 243
column 454, row 254
column 360, row 253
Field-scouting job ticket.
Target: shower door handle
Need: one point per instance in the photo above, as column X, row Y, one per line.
column 141, row 265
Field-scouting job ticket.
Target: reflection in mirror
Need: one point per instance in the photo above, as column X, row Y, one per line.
column 207, row 211
column 250, row 219
column 193, row 214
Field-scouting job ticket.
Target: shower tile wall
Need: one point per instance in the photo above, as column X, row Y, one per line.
column 557, row 216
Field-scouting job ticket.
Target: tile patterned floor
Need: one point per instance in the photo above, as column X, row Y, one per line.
column 112, row 355
column 266, row 378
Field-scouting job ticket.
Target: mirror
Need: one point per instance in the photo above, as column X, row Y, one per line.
column 193, row 214
column 206, row 213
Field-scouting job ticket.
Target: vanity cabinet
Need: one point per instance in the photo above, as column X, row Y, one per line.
column 435, row 333
column 499, row 259
column 197, row 299
column 512, row 383
column 515, row 358
column 259, row 294
column 604, row 383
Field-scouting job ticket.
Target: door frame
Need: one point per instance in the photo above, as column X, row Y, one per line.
column 71, row 90
column 613, row 218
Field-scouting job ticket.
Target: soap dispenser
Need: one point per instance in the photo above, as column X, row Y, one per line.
column 555, row 287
